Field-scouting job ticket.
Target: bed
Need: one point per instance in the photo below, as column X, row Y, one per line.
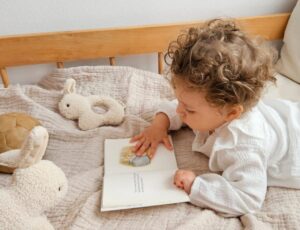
column 80, row 153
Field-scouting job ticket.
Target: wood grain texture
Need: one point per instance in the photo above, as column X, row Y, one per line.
column 90, row 44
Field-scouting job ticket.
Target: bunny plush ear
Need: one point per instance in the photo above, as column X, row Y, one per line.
column 34, row 147
column 69, row 86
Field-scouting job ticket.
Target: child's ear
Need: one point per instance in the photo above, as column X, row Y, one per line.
column 234, row 112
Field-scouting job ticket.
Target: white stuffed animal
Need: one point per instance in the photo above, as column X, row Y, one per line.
column 37, row 185
column 75, row 106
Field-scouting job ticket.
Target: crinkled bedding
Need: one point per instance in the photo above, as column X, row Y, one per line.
column 80, row 155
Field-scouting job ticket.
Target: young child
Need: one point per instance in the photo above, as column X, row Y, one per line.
column 218, row 74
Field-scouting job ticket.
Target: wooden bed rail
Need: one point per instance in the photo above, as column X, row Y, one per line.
column 108, row 43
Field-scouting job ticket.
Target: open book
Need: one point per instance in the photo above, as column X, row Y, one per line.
column 127, row 186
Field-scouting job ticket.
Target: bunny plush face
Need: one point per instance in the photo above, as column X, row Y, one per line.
column 72, row 105
column 42, row 184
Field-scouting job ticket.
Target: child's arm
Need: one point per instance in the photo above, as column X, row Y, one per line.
column 240, row 189
column 169, row 108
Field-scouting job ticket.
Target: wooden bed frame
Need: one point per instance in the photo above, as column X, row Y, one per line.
column 60, row 47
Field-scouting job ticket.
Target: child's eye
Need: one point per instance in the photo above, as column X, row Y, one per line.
column 190, row 111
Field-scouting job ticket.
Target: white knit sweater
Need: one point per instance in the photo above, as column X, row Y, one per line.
column 260, row 149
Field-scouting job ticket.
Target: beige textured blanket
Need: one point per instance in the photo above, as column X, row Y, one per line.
column 80, row 155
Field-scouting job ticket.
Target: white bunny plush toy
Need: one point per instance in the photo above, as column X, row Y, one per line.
column 37, row 185
column 75, row 106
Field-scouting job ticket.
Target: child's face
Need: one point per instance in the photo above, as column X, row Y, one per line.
column 195, row 111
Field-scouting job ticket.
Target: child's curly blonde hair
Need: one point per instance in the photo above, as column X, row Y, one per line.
column 222, row 61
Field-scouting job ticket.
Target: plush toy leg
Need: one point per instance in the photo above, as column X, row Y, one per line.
column 32, row 151
column 9, row 160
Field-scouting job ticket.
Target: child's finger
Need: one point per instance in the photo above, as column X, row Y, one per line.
column 187, row 186
column 178, row 183
column 167, row 143
column 143, row 148
column 136, row 137
column 152, row 149
column 176, row 177
column 137, row 146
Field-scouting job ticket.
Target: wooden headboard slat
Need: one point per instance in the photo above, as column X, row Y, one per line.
column 4, row 77
column 89, row 44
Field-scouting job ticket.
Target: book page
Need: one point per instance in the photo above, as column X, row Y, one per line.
column 140, row 189
column 163, row 159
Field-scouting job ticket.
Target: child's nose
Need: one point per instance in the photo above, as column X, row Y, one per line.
column 180, row 110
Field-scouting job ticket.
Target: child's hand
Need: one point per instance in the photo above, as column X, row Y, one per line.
column 184, row 179
column 150, row 138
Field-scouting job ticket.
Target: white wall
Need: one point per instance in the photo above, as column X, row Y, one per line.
column 35, row 16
